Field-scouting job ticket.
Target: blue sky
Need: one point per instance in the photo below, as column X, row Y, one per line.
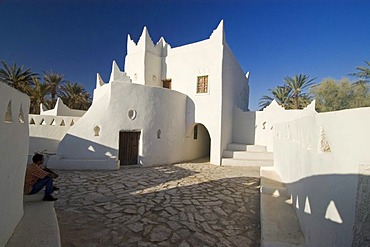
column 270, row 38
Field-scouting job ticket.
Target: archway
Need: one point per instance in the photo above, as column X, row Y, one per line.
column 199, row 145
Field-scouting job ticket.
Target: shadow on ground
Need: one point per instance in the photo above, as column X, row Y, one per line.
column 190, row 204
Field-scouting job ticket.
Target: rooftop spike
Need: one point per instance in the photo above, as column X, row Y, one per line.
column 42, row 108
column 219, row 33
column 116, row 72
column 99, row 81
column 145, row 38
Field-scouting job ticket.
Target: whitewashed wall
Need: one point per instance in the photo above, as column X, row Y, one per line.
column 201, row 58
column 149, row 64
column 256, row 127
column 47, row 131
column 318, row 156
column 235, row 93
column 156, row 109
column 13, row 153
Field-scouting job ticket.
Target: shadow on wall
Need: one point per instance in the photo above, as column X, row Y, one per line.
column 244, row 127
column 75, row 147
column 192, row 207
column 39, row 144
column 333, row 209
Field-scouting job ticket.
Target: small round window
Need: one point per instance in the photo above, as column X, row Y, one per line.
column 131, row 114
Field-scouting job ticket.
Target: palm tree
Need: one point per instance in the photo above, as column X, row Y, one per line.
column 75, row 96
column 363, row 72
column 16, row 77
column 280, row 94
column 54, row 82
column 298, row 83
column 38, row 95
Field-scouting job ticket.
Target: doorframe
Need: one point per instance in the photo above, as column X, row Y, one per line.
column 138, row 144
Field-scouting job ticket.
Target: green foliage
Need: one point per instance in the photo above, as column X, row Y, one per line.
column 331, row 95
column 363, row 72
column 16, row 76
column 291, row 95
column 298, row 83
column 54, row 81
column 73, row 95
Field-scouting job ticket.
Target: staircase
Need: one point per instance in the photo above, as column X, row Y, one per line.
column 247, row 155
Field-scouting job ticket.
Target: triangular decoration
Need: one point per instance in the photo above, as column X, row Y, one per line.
column 8, row 114
column 43, row 122
column 62, row 123
column 72, row 123
column 332, row 213
column 52, row 122
column 297, row 202
column 307, row 206
column 32, row 121
column 21, row 116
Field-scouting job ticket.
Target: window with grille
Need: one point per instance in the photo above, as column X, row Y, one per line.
column 202, row 85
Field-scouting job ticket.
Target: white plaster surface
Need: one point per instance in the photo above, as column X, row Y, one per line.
column 46, row 131
column 13, row 153
column 61, row 109
column 257, row 127
column 327, row 180
column 175, row 112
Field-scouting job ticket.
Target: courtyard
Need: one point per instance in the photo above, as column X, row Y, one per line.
column 187, row 204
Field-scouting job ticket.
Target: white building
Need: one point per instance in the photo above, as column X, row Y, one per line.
column 170, row 105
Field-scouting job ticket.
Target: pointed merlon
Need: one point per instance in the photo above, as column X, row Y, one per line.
column 99, row 81
column 116, row 72
column 162, row 42
column 219, row 33
column 145, row 38
column 42, row 108
column 247, row 75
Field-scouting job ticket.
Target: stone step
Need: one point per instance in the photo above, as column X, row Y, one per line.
column 243, row 162
column 35, row 197
column 246, row 147
column 248, row 155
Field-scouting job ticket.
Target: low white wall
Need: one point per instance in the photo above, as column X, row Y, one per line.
column 256, row 127
column 47, row 131
column 13, row 153
column 319, row 157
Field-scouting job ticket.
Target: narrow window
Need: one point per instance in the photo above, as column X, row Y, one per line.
column 195, row 132
column 167, row 83
column 202, row 85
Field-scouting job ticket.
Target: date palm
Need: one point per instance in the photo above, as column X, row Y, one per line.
column 298, row 83
column 38, row 94
column 280, row 94
column 363, row 72
column 54, row 82
column 75, row 96
column 16, row 77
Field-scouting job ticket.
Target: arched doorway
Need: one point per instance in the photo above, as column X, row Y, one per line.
column 199, row 145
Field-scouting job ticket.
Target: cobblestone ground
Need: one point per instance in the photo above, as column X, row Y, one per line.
column 189, row 204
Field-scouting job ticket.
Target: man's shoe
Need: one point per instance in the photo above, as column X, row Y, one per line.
column 49, row 198
column 55, row 188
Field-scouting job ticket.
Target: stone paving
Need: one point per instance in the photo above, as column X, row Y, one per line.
column 189, row 204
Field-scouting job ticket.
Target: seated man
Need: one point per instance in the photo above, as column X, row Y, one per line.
column 37, row 177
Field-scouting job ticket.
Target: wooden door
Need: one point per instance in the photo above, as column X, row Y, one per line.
column 128, row 147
